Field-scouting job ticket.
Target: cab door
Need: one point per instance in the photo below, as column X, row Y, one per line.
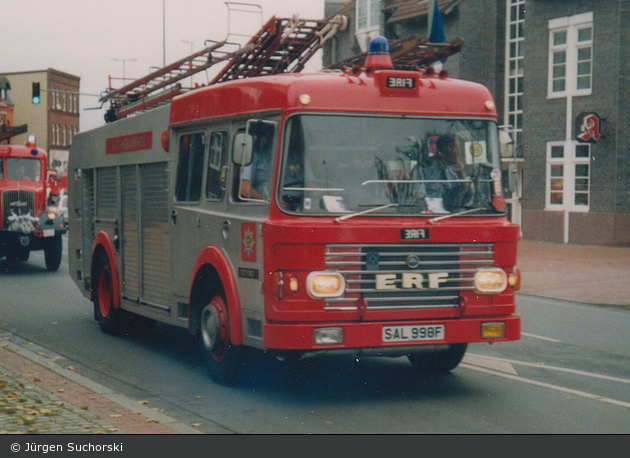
column 199, row 202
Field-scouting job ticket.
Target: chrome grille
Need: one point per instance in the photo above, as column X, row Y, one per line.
column 405, row 276
column 18, row 201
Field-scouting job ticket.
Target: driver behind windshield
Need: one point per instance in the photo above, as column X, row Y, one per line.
column 443, row 173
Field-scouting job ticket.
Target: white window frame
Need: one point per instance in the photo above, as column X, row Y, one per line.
column 571, row 26
column 570, row 182
column 365, row 10
column 514, row 68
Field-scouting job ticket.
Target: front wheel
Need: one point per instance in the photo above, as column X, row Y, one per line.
column 438, row 362
column 224, row 359
column 53, row 252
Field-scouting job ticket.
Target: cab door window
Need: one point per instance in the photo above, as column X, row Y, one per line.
column 190, row 167
column 254, row 175
column 216, row 171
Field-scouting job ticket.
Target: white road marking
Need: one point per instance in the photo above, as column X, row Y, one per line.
column 553, row 368
column 489, row 363
column 534, row 336
column 548, row 385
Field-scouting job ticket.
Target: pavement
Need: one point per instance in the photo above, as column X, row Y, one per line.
column 40, row 396
column 584, row 273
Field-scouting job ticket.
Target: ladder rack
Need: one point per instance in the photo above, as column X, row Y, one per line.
column 281, row 46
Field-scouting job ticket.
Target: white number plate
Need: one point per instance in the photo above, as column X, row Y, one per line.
column 413, row 333
column 49, row 232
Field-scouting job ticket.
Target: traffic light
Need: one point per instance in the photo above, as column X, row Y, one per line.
column 36, row 98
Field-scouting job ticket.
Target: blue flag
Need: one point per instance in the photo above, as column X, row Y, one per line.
column 436, row 24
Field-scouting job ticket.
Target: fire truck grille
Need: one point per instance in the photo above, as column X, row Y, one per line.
column 18, row 202
column 405, row 276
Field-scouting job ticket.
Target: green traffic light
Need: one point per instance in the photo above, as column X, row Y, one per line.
column 36, row 97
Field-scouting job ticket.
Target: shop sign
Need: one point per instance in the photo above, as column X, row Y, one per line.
column 587, row 127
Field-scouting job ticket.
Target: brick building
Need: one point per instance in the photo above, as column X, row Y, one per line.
column 7, row 127
column 558, row 72
column 55, row 120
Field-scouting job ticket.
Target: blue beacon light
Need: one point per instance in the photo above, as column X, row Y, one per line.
column 378, row 54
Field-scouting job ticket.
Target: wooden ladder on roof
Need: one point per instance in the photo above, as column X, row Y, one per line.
column 410, row 53
column 281, row 46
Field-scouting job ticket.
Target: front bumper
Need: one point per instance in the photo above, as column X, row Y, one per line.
column 369, row 335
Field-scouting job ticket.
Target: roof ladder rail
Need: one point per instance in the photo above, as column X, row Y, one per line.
column 281, row 46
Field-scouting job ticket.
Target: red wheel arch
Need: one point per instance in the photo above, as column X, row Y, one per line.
column 102, row 239
column 213, row 256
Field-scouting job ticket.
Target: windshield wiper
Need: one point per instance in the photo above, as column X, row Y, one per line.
column 352, row 215
column 440, row 218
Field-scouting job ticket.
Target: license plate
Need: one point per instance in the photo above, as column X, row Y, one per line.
column 49, row 232
column 413, row 333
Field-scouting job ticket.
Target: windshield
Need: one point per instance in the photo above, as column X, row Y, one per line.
column 336, row 164
column 23, row 169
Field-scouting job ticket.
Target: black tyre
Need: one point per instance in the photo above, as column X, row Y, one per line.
column 224, row 360
column 438, row 362
column 53, row 252
column 110, row 319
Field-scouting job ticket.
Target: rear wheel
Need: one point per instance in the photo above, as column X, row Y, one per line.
column 224, row 359
column 53, row 252
column 438, row 362
column 110, row 319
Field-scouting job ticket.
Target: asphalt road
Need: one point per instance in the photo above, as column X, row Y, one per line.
column 569, row 374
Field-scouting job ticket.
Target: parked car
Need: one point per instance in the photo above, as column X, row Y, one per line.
column 62, row 208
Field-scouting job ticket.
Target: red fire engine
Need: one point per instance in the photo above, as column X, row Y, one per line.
column 57, row 185
column 299, row 213
column 27, row 223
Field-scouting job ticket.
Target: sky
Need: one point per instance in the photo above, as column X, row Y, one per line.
column 95, row 39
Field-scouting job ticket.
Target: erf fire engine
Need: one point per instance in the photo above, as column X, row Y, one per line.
column 294, row 213
column 27, row 223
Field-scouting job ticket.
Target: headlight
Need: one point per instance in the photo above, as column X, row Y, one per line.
column 325, row 284
column 488, row 281
column 51, row 212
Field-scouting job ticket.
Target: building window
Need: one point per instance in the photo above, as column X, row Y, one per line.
column 568, row 176
column 368, row 13
column 515, row 69
column 571, row 55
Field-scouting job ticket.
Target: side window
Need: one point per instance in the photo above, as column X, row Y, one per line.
column 190, row 167
column 253, row 177
column 1, row 169
column 216, row 175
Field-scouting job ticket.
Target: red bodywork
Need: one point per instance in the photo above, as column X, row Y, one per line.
column 291, row 320
column 296, row 246
column 57, row 184
column 36, row 186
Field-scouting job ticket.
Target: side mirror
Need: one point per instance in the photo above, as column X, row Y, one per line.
column 242, row 149
column 506, row 143
column 512, row 174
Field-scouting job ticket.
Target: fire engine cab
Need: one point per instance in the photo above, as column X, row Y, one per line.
column 27, row 223
column 299, row 213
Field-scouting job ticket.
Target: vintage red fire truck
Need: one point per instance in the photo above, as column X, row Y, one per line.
column 342, row 247
column 27, row 224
